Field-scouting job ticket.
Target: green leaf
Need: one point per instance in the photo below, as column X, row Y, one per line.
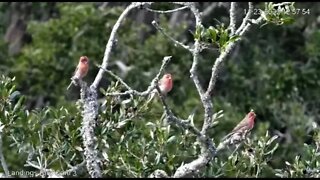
column 223, row 38
column 212, row 33
column 171, row 139
column 18, row 104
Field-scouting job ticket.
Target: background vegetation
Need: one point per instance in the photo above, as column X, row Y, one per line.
column 274, row 70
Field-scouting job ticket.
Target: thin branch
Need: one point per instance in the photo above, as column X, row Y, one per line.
column 216, row 67
column 247, row 27
column 246, row 18
column 3, row 161
column 45, row 172
column 229, row 47
column 75, row 168
column 152, row 85
column 210, row 8
column 283, row 3
column 193, row 70
column 156, row 25
column 168, row 11
column 52, row 173
column 116, row 77
column 112, row 38
column 232, row 24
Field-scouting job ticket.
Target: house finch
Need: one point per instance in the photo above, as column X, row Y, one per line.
column 165, row 85
column 81, row 70
column 240, row 131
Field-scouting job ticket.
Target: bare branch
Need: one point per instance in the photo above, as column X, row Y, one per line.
column 156, row 25
column 193, row 70
column 283, row 3
column 210, row 8
column 246, row 18
column 168, row 11
column 75, row 168
column 232, row 25
column 216, row 67
column 152, row 85
column 246, row 28
column 112, row 38
column 116, row 77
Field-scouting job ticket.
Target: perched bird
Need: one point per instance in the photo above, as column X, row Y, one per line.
column 165, row 85
column 81, row 70
column 240, row 131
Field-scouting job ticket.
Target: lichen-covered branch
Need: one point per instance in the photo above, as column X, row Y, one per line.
column 89, row 114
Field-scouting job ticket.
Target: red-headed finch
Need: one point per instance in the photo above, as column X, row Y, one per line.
column 240, row 131
column 81, row 70
column 165, row 85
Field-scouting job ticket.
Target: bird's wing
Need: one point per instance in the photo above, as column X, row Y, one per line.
column 241, row 125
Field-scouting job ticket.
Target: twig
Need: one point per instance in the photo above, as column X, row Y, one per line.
column 152, row 85
column 156, row 25
column 246, row 18
column 116, row 77
column 216, row 67
column 112, row 38
column 209, row 9
column 168, row 11
column 232, row 24
column 51, row 173
column 3, row 161
column 75, row 168
column 282, row 4
column 246, row 28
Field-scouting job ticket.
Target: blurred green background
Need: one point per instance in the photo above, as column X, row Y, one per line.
column 273, row 70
